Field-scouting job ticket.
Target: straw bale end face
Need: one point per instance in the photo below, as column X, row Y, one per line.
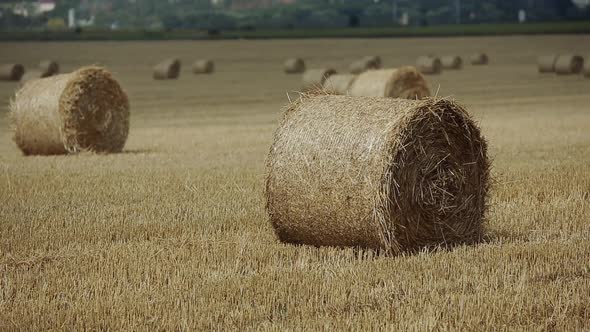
column 168, row 69
column 388, row 174
column 429, row 65
column 205, row 66
column 48, row 68
column 11, row 72
column 479, row 59
column 405, row 82
column 86, row 110
column 294, row 66
column 569, row 64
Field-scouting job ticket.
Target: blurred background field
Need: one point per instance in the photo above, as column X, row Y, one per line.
column 172, row 233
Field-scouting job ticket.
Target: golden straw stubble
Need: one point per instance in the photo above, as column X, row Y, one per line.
column 388, row 174
column 86, row 110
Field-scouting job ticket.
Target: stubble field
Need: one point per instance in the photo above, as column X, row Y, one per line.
column 172, row 234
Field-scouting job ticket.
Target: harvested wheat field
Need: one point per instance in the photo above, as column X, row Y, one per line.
column 172, row 234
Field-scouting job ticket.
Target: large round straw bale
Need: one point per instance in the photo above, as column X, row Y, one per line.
column 451, row 62
column 48, row 68
column 569, row 64
column 11, row 72
column 314, row 79
column 86, row 110
column 339, row 84
column 205, row 66
column 429, row 65
column 479, row 59
column 404, row 82
column 167, row 69
column 389, row 174
column 547, row 63
column 364, row 64
column 294, row 66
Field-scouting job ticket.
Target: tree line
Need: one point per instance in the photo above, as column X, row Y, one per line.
column 204, row 14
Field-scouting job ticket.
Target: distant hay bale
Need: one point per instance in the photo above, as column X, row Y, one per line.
column 294, row 66
column 546, row 63
column 167, row 69
column 429, row 65
column 388, row 174
column 11, row 72
column 204, row 66
column 48, row 68
column 364, row 64
column 479, row 59
column 404, row 82
column 31, row 75
column 451, row 62
column 339, row 84
column 569, row 64
column 86, row 110
column 313, row 79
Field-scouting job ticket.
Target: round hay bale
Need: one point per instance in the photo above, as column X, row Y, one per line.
column 569, row 64
column 205, row 66
column 388, row 174
column 167, row 69
column 546, row 63
column 429, row 65
column 339, row 84
column 364, row 64
column 451, row 62
column 11, row 72
column 86, row 110
column 479, row 59
column 314, row 79
column 404, row 82
column 294, row 66
column 48, row 68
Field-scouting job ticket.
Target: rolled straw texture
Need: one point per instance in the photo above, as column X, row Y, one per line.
column 451, row 62
column 479, row 59
column 569, row 64
column 294, row 66
column 546, row 63
column 429, row 65
column 48, row 68
column 168, row 69
column 388, row 174
column 364, row 64
column 204, row 66
column 11, row 72
column 86, row 110
column 404, row 82
column 339, row 84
